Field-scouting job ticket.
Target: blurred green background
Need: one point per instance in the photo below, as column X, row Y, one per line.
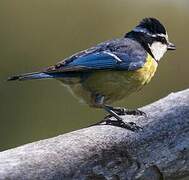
column 38, row 33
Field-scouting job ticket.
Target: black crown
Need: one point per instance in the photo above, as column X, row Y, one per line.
column 152, row 25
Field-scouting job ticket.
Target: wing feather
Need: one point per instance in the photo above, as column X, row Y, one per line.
column 120, row 56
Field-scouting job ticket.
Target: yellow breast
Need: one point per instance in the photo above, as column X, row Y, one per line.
column 144, row 74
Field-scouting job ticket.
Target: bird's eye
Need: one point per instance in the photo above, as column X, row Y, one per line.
column 162, row 39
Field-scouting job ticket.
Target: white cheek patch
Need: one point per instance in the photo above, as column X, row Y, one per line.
column 158, row 50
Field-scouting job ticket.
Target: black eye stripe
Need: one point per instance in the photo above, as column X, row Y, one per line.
column 161, row 39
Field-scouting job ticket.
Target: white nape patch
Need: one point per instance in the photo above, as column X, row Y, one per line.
column 158, row 50
column 143, row 30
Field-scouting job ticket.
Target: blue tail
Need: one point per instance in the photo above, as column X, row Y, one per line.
column 42, row 75
column 29, row 76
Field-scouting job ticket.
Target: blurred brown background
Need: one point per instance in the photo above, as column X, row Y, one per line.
column 38, row 33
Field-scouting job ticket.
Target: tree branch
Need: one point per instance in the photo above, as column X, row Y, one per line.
column 160, row 151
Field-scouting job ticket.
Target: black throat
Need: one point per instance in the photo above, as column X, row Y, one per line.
column 142, row 38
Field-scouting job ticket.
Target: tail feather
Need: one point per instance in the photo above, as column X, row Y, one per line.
column 29, row 76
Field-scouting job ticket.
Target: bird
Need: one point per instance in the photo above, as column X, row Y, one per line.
column 112, row 70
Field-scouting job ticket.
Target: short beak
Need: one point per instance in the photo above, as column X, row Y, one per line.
column 171, row 46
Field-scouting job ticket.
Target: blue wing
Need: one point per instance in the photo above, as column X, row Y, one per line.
column 120, row 54
column 103, row 60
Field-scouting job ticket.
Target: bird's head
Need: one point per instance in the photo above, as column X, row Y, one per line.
column 152, row 35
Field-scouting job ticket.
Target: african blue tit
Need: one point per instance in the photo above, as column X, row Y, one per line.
column 112, row 70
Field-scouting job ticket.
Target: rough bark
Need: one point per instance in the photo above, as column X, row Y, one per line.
column 159, row 151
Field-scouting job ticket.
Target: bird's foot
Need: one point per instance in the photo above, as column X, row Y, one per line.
column 119, row 123
column 123, row 111
column 135, row 112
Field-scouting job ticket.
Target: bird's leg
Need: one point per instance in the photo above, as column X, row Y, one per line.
column 99, row 102
column 120, row 123
column 123, row 111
